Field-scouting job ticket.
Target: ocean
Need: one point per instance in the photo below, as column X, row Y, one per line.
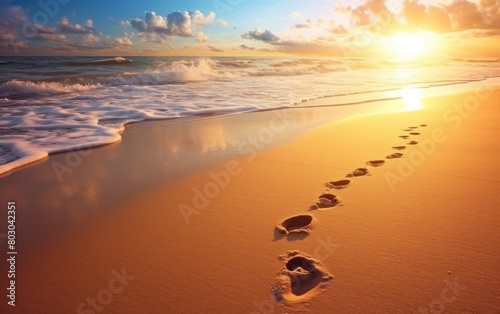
column 57, row 104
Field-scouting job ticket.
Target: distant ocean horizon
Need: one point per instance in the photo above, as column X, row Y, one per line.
column 56, row 104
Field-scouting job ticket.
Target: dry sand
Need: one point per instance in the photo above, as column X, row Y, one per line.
column 416, row 233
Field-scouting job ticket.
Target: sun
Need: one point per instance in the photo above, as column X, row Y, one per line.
column 409, row 45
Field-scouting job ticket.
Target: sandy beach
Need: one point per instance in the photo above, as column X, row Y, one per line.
column 412, row 226
column 252, row 157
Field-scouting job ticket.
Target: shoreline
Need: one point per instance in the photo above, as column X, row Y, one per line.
column 379, row 245
column 78, row 187
column 357, row 98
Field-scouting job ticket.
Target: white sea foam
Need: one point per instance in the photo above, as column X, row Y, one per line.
column 113, row 60
column 177, row 72
column 28, row 88
column 108, row 61
column 22, row 154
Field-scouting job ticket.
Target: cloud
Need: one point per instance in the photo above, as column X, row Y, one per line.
column 215, row 49
column 18, row 32
column 151, row 38
column 452, row 16
column 201, row 37
column 265, row 36
column 151, row 23
column 200, row 20
column 307, row 24
column 314, row 46
column 53, row 38
column 295, row 15
column 465, row 15
column 11, row 22
column 123, row 41
column 223, row 22
column 338, row 29
column 491, row 12
column 66, row 27
column 247, row 47
column 178, row 24
column 49, row 34
column 268, row 49
column 459, row 15
column 89, row 39
column 9, row 41
column 375, row 6
column 297, row 45
column 13, row 16
column 438, row 19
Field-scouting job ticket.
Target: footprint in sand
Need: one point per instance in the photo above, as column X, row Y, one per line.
column 395, row 155
column 399, row 147
column 404, row 137
column 414, row 133
column 423, row 125
column 340, row 184
column 375, row 163
column 301, row 278
column 413, row 127
column 326, row 200
column 358, row 173
column 412, row 143
column 296, row 224
column 407, row 130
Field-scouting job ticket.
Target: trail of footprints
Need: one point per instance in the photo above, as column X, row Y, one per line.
column 302, row 276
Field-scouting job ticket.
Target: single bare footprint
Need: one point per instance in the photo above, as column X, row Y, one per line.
column 375, row 163
column 414, row 133
column 395, row 155
column 412, row 143
column 423, row 125
column 399, row 147
column 326, row 200
column 300, row 279
column 407, row 130
column 413, row 127
column 296, row 224
column 358, row 173
column 340, row 184
column 404, row 136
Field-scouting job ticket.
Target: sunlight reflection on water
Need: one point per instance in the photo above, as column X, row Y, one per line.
column 412, row 98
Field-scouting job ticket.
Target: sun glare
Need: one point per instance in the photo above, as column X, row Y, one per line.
column 412, row 98
column 410, row 45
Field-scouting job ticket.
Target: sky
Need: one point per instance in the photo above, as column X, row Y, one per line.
column 349, row 28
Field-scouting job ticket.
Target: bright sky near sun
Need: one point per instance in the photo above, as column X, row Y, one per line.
column 391, row 28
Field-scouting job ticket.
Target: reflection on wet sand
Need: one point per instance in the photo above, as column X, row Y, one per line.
column 150, row 154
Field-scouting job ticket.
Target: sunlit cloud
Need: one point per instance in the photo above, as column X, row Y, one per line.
column 246, row 47
column 223, row 22
column 215, row 49
column 265, row 36
column 124, row 41
column 295, row 15
column 174, row 24
column 307, row 24
column 201, row 37
column 67, row 27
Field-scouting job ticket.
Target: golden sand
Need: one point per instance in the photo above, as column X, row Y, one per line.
column 416, row 231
